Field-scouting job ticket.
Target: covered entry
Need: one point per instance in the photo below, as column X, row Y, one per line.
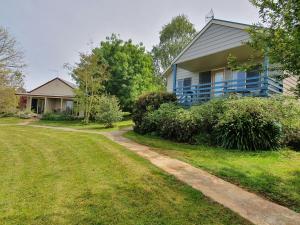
column 54, row 96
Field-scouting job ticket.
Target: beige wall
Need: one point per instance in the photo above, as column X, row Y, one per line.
column 54, row 88
column 288, row 84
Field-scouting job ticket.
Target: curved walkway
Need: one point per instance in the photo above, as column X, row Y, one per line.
column 248, row 205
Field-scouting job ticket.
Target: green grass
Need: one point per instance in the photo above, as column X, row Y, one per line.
column 273, row 174
column 56, row 177
column 76, row 124
column 11, row 120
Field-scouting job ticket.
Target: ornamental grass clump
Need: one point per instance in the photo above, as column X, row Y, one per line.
column 249, row 124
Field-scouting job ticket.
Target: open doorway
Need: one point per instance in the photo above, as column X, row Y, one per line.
column 37, row 105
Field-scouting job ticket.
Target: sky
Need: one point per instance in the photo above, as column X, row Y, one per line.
column 53, row 32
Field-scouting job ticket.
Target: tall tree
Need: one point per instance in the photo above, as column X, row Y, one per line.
column 278, row 33
column 173, row 37
column 90, row 75
column 131, row 68
column 11, row 77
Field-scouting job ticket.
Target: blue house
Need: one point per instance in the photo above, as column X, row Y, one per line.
column 200, row 71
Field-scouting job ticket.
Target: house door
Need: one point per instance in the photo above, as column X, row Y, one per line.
column 40, row 106
column 218, row 82
column 205, row 82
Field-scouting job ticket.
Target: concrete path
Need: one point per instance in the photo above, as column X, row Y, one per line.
column 248, row 205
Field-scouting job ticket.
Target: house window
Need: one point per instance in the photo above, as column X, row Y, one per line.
column 184, row 83
column 69, row 106
column 187, row 82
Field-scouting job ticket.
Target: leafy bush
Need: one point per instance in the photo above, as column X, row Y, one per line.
column 245, row 123
column 292, row 139
column 248, row 124
column 207, row 116
column 148, row 103
column 58, row 116
column 180, row 126
column 108, row 110
column 26, row 114
column 8, row 101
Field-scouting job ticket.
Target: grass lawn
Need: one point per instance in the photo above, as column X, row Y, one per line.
column 11, row 120
column 56, row 177
column 273, row 174
column 79, row 125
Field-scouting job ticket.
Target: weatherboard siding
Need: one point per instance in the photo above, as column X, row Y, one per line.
column 215, row 39
column 288, row 84
column 54, row 88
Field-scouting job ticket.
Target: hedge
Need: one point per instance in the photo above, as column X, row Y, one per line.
column 245, row 123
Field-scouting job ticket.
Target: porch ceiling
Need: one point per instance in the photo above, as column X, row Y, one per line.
column 218, row 60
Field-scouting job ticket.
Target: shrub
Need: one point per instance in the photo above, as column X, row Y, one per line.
column 207, row 115
column 148, row 103
column 8, row 101
column 108, row 110
column 26, row 114
column 174, row 123
column 248, row 124
column 292, row 139
column 245, row 123
column 58, row 116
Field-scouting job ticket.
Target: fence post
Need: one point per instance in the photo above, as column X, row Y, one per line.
column 266, row 75
column 174, row 71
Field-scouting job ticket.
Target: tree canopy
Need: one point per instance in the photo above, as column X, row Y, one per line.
column 278, row 33
column 173, row 37
column 90, row 75
column 11, row 76
column 131, row 69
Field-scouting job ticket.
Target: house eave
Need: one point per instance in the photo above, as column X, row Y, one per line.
column 213, row 21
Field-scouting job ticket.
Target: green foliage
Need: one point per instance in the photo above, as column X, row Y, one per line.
column 107, row 110
column 207, row 115
column 11, row 77
column 174, row 123
column 148, row 103
column 90, row 75
column 58, row 117
column 280, row 40
column 292, row 138
column 244, row 123
column 131, row 68
column 8, row 100
column 26, row 114
column 174, row 36
column 248, row 124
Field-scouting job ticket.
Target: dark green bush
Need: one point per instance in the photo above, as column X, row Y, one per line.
column 58, row 117
column 245, row 123
column 173, row 122
column 207, row 116
column 148, row 103
column 292, row 139
column 248, row 125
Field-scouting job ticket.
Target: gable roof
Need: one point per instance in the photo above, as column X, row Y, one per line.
column 237, row 25
column 71, row 85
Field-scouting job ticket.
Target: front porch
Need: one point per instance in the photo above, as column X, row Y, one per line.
column 203, row 78
column 257, row 85
column 43, row 104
